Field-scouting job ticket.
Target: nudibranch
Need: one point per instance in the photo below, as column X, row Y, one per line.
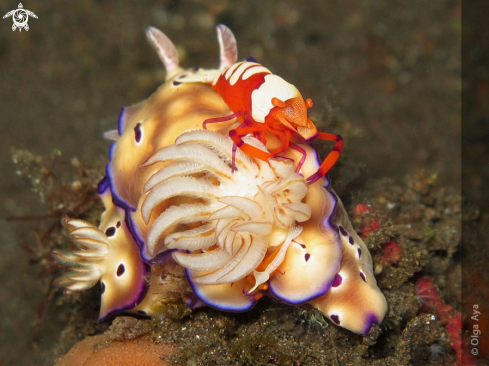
column 182, row 198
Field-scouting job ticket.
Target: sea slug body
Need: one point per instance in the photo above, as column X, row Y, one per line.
column 182, row 198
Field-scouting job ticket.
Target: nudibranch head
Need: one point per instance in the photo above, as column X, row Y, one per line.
column 108, row 254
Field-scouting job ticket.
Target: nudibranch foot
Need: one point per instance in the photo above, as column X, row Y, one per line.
column 169, row 293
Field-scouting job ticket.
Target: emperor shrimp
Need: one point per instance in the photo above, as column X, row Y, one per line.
column 263, row 103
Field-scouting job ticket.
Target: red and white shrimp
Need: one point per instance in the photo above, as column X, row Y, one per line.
column 263, row 103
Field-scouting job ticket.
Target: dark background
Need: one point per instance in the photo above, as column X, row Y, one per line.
column 384, row 74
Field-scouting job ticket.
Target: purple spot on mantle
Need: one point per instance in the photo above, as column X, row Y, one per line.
column 337, row 280
column 111, row 151
column 307, row 256
column 335, row 319
column 118, row 224
column 120, row 270
column 250, row 59
column 350, row 240
column 363, row 276
column 359, row 252
column 137, row 133
column 302, row 245
column 371, row 320
column 110, row 231
column 177, row 83
column 342, row 230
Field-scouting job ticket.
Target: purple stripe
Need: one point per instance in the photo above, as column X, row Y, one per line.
column 115, row 198
column 111, row 151
column 130, row 225
column 304, row 300
column 195, row 289
column 318, row 161
column 103, row 185
column 165, row 256
column 120, row 127
column 327, row 222
column 139, row 295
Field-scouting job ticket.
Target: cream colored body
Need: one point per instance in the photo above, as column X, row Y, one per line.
column 179, row 192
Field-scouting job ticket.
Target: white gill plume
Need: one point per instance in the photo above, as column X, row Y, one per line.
column 85, row 263
column 226, row 222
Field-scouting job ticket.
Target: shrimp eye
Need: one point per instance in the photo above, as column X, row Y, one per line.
column 278, row 103
column 308, row 103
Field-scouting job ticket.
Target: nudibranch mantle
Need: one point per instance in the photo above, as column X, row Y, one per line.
column 178, row 197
